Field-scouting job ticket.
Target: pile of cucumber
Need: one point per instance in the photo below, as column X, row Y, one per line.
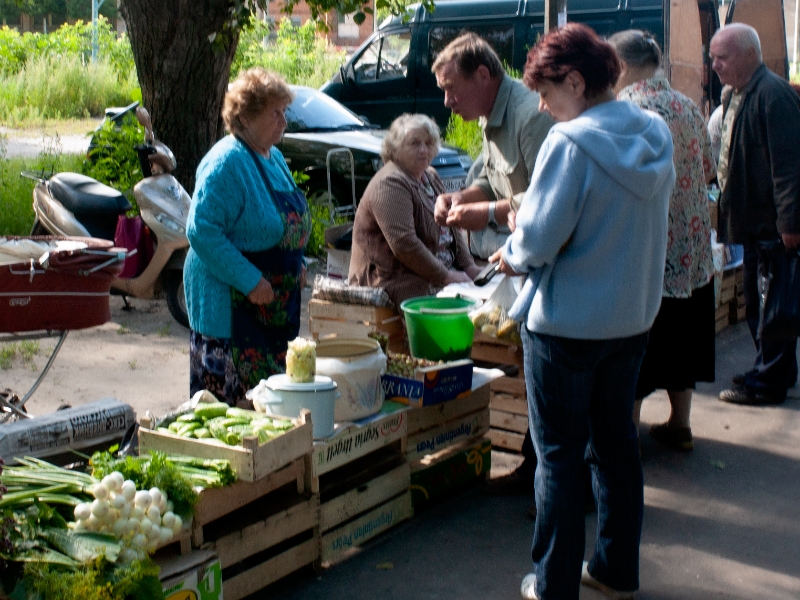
column 225, row 423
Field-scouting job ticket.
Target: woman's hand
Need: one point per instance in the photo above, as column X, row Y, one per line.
column 473, row 271
column 262, row 293
column 504, row 266
column 457, row 277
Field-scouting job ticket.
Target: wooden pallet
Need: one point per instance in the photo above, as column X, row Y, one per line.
column 327, row 319
column 180, row 545
column 433, row 428
column 262, row 531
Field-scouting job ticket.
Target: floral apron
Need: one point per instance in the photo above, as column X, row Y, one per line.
column 261, row 333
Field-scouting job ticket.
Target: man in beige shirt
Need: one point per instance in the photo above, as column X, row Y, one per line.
column 477, row 87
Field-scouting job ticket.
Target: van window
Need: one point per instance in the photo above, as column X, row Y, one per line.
column 500, row 37
column 385, row 58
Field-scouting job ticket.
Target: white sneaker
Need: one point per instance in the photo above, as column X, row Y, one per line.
column 589, row 581
column 528, row 588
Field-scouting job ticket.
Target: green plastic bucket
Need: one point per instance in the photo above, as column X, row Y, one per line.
column 439, row 328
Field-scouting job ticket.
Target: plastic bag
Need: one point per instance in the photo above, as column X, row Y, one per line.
column 779, row 291
column 492, row 318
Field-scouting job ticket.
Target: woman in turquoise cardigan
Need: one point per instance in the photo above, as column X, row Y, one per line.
column 248, row 226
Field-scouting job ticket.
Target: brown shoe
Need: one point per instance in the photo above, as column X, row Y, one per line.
column 508, row 485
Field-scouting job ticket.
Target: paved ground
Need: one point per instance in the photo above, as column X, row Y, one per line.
column 31, row 146
column 720, row 522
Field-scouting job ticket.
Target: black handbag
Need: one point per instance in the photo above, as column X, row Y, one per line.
column 779, row 291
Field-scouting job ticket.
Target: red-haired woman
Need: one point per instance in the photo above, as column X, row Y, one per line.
column 591, row 235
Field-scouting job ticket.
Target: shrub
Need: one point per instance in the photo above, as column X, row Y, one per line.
column 113, row 159
column 296, row 52
column 466, row 135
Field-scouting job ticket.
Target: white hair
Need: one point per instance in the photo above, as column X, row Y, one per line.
column 746, row 37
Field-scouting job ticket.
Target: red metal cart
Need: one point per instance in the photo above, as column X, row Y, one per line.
column 48, row 286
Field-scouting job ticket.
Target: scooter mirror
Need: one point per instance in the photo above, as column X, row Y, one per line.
column 144, row 118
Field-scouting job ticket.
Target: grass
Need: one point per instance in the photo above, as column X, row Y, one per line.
column 24, row 350
column 16, row 192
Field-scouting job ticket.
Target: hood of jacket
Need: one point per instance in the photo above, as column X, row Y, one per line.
column 625, row 141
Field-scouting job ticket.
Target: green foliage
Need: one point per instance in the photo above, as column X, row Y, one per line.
column 51, row 76
column 16, row 193
column 114, row 160
column 97, row 580
column 297, row 53
column 320, row 221
column 466, row 135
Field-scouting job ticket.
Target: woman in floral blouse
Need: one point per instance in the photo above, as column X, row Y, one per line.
column 680, row 350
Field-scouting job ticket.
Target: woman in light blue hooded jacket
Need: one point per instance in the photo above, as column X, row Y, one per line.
column 591, row 236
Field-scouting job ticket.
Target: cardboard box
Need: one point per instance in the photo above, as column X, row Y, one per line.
column 196, row 576
column 431, row 385
column 338, row 263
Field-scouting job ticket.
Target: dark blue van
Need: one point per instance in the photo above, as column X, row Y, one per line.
column 390, row 73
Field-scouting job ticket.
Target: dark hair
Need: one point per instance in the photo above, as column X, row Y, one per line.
column 573, row 47
column 637, row 48
column 470, row 51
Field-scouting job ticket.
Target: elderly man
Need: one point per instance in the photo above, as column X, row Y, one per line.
column 759, row 175
column 476, row 86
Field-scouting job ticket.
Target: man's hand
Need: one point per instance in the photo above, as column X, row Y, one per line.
column 473, row 271
column 504, row 267
column 444, row 203
column 472, row 216
column 262, row 293
column 791, row 240
column 512, row 220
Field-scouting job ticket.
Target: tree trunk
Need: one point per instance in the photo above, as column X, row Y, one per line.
column 183, row 78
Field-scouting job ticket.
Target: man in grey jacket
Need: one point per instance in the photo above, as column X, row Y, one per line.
column 476, row 86
column 760, row 199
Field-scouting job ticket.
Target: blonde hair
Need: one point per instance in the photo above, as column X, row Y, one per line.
column 254, row 91
column 401, row 127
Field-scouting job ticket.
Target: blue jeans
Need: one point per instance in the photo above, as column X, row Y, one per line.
column 580, row 406
column 775, row 367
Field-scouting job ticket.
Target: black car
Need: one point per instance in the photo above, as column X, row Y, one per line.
column 321, row 131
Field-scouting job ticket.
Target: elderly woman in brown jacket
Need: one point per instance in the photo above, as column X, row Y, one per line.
column 397, row 244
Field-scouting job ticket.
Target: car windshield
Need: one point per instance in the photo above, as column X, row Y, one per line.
column 315, row 111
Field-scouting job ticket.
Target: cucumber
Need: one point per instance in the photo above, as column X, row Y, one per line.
column 188, row 427
column 202, row 433
column 175, row 426
column 228, row 421
column 188, row 418
column 241, row 413
column 209, row 410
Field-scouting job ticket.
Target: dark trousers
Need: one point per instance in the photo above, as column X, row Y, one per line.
column 775, row 368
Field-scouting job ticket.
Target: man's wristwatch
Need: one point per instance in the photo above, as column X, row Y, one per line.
column 492, row 223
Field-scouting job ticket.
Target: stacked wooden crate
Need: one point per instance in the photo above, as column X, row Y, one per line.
column 355, row 320
column 447, row 446
column 731, row 299
column 362, row 478
column 264, row 526
column 508, row 402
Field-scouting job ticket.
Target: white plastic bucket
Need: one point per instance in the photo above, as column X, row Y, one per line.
column 356, row 365
column 279, row 395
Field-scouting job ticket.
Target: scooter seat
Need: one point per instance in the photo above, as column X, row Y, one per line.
column 82, row 195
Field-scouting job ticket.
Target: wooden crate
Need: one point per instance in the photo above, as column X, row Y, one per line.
column 509, row 413
column 338, row 542
column 433, row 428
column 355, row 441
column 353, row 320
column 262, row 531
column 490, row 349
column 180, row 545
column 441, row 473
column 251, row 461
column 370, row 485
